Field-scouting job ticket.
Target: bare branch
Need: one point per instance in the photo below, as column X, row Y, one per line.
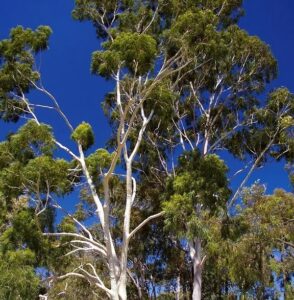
column 66, row 150
column 140, row 136
column 76, row 235
column 152, row 20
column 144, row 223
column 134, row 189
column 257, row 161
column 56, row 105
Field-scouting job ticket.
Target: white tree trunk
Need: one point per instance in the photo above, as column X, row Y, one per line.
column 126, row 232
column 178, row 291
column 195, row 254
column 197, row 281
column 116, row 261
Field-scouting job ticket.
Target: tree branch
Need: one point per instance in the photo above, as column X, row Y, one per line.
column 144, row 223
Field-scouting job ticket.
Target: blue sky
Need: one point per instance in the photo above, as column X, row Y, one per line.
column 66, row 65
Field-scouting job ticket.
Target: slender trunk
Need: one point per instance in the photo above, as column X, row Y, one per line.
column 195, row 254
column 197, row 281
column 140, row 295
column 178, row 291
column 113, row 278
column 111, row 255
column 126, row 231
column 103, row 214
column 206, row 143
column 114, row 291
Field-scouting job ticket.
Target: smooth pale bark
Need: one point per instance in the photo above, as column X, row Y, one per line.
column 126, row 231
column 196, row 248
column 195, row 255
column 116, row 261
column 178, row 291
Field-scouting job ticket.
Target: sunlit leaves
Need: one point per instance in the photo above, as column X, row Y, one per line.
column 23, row 282
column 47, row 174
column 131, row 50
column 198, row 190
column 27, row 164
column 17, row 72
column 84, row 135
column 268, row 227
column 20, row 252
column 33, row 138
column 192, row 30
column 98, row 161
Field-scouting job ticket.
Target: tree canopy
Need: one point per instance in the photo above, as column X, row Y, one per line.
column 154, row 214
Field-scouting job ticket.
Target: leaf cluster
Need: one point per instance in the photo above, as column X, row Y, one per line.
column 17, row 59
column 199, row 189
column 84, row 135
column 133, row 51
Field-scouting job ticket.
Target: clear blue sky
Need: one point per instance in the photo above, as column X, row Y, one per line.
column 66, row 66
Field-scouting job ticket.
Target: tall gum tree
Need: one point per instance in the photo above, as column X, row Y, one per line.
column 215, row 105
column 44, row 176
column 129, row 59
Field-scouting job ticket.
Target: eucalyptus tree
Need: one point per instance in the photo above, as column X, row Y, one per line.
column 127, row 58
column 266, row 233
column 198, row 195
column 216, row 108
column 187, row 80
column 31, row 169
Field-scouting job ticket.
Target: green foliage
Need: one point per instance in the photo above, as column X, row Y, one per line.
column 105, row 63
column 161, row 50
column 67, row 225
column 160, row 99
column 27, row 165
column 199, row 189
column 267, row 226
column 131, row 14
column 191, row 30
column 48, row 174
column 17, row 68
column 241, row 249
column 99, row 160
column 274, row 122
column 134, row 51
column 228, row 13
column 22, row 249
column 32, row 139
column 135, row 16
column 240, row 43
column 84, row 135
column 11, row 180
column 17, row 280
column 23, row 234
